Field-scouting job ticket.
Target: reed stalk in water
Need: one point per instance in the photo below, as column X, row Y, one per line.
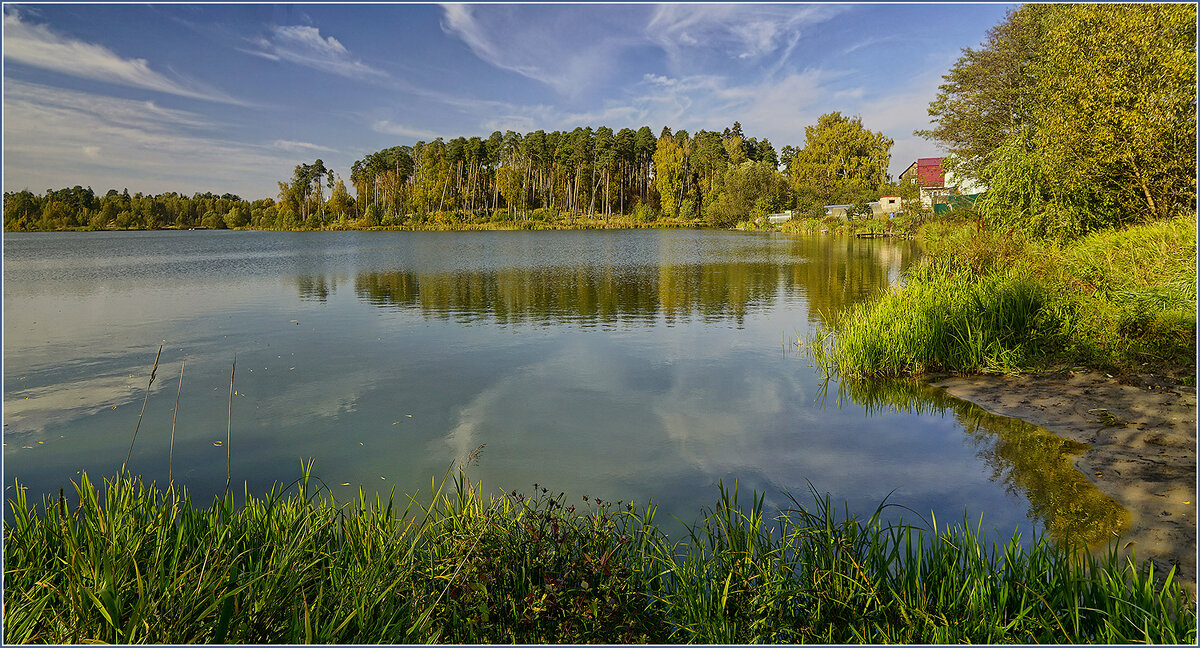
column 174, row 416
column 229, row 425
column 147, row 397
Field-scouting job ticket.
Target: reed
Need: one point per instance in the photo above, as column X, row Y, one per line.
column 995, row 323
column 174, row 416
column 984, row 301
column 229, row 426
column 135, row 563
column 137, row 427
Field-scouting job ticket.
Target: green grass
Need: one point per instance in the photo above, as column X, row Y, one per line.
column 987, row 301
column 130, row 563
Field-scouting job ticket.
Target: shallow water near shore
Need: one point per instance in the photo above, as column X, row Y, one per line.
column 644, row 365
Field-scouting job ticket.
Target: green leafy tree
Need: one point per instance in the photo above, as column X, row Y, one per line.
column 1099, row 128
column 987, row 94
column 841, row 160
column 237, row 217
column 371, row 216
column 668, row 172
column 745, row 188
column 1117, row 109
column 340, row 203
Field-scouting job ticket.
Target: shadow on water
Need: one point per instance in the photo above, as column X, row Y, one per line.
column 1026, row 459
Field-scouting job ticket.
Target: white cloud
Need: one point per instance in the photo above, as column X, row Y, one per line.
column 45, row 130
column 570, row 49
column 39, row 46
column 735, row 31
column 305, row 46
column 289, row 145
column 459, row 20
column 388, row 128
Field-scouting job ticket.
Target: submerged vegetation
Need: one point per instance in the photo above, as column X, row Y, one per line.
column 131, row 563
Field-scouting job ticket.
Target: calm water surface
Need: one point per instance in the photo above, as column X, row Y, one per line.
column 631, row 365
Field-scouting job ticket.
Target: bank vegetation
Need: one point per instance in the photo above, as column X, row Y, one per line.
column 124, row 562
column 1080, row 120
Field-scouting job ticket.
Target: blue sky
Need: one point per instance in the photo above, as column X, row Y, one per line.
column 229, row 98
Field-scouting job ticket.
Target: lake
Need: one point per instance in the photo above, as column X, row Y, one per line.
column 627, row 365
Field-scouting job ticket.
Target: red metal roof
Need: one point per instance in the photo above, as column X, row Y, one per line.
column 930, row 173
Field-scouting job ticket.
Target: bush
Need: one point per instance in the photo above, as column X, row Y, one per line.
column 644, row 213
column 371, row 217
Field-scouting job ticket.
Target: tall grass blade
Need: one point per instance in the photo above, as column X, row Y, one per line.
column 229, row 425
column 174, row 416
column 153, row 371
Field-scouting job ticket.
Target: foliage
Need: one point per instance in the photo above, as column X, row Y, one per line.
column 1077, row 117
column 1117, row 115
column 668, row 172
column 136, row 564
column 745, row 187
column 984, row 300
column 841, row 160
column 80, row 207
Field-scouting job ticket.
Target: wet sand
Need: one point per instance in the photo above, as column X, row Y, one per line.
column 1142, row 435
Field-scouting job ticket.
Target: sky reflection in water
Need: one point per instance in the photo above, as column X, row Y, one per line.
column 625, row 365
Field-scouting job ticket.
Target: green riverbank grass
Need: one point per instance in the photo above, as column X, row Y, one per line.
column 135, row 564
column 985, row 301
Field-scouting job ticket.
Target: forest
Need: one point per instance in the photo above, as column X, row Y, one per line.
column 713, row 178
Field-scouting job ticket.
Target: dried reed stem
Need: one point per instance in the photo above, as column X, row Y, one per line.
column 229, row 424
column 147, row 397
column 171, row 456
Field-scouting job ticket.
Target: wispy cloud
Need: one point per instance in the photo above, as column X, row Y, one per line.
column 570, row 49
column 293, row 146
column 39, row 46
column 54, row 137
column 388, row 128
column 459, row 20
column 734, row 31
column 303, row 45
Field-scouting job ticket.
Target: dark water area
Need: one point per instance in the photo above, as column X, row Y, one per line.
column 625, row 365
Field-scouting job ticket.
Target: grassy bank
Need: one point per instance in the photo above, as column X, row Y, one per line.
column 983, row 301
column 130, row 563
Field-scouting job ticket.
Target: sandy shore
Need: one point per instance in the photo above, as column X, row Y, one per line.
column 1143, row 447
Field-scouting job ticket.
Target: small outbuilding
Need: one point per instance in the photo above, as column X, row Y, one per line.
column 838, row 211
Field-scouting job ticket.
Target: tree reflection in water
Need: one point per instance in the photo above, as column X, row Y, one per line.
column 1026, row 459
